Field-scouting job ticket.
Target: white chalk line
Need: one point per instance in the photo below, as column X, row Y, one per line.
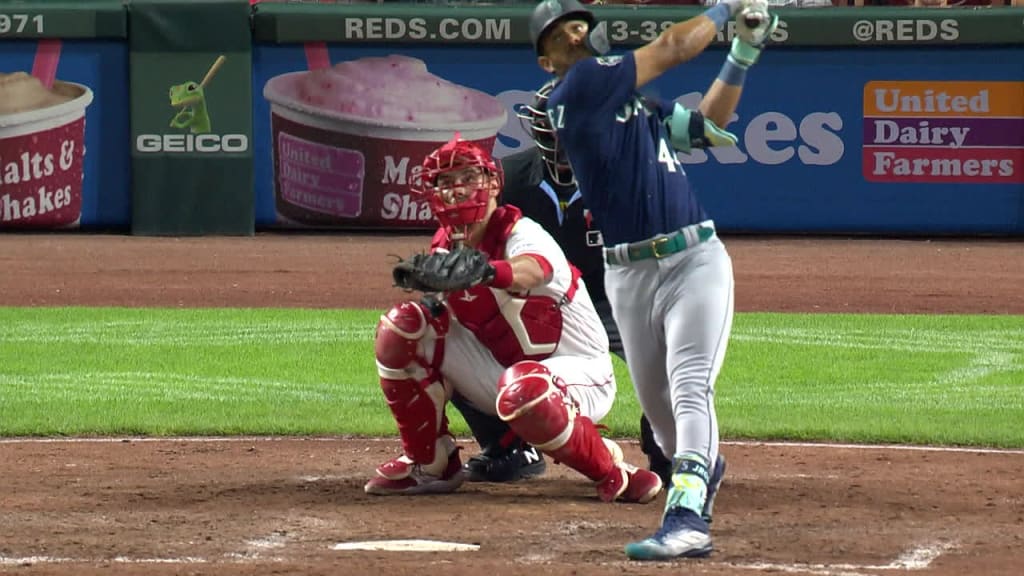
column 875, row 447
column 915, row 559
column 253, row 552
column 766, row 443
column 255, row 548
column 324, row 478
column 30, row 560
column 918, row 558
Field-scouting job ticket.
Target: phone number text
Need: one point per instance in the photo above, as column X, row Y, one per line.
column 647, row 30
column 643, row 30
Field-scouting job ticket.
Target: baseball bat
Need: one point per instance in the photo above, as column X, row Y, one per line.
column 213, row 70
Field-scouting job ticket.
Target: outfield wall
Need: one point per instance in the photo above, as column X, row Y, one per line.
column 202, row 117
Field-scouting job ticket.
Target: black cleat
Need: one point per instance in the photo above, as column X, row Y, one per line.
column 496, row 464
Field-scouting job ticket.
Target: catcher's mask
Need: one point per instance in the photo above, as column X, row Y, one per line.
column 534, row 119
column 457, row 180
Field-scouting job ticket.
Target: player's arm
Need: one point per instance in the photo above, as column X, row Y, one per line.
column 754, row 26
column 720, row 101
column 521, row 273
column 682, row 41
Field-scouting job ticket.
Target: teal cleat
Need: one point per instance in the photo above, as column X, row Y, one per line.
column 683, row 534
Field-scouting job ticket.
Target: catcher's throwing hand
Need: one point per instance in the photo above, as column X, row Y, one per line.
column 443, row 271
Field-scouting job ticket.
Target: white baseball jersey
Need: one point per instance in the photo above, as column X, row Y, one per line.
column 555, row 324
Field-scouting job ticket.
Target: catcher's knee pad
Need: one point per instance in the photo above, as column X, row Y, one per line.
column 541, row 413
column 413, row 385
column 534, row 407
column 401, row 331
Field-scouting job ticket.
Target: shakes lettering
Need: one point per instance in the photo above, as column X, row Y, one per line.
column 39, row 180
column 773, row 138
column 397, row 171
column 398, row 206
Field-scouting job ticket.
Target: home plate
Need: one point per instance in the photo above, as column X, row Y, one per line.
column 407, row 546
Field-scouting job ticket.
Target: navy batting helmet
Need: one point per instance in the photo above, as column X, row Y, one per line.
column 549, row 12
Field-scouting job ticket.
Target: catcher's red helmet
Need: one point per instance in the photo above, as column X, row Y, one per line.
column 457, row 180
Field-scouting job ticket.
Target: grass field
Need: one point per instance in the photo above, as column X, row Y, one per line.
column 857, row 378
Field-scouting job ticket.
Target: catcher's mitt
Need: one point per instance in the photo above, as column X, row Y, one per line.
column 443, row 271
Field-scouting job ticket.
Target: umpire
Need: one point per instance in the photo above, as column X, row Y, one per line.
column 540, row 183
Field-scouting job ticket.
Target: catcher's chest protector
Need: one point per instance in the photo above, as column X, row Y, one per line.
column 513, row 328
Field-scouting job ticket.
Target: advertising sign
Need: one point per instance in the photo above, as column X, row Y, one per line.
column 191, row 70
column 962, row 132
column 340, row 133
column 63, row 133
column 840, row 140
column 187, row 104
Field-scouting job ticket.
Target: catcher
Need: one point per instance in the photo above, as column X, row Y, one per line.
column 508, row 325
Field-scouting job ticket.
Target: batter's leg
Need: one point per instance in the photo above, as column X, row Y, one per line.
column 698, row 322
column 656, row 459
column 631, row 292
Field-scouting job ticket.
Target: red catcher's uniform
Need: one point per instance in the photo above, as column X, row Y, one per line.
column 555, row 324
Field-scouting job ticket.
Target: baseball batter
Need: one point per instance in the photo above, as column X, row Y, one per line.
column 540, row 182
column 522, row 342
column 668, row 277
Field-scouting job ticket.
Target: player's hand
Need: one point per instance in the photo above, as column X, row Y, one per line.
column 754, row 27
column 754, row 24
column 735, row 6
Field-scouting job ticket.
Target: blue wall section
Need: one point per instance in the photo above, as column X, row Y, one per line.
column 807, row 177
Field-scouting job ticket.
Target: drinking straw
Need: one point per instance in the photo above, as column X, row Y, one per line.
column 317, row 57
column 44, row 66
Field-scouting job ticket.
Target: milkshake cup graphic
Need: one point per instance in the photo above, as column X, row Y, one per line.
column 348, row 139
column 42, row 146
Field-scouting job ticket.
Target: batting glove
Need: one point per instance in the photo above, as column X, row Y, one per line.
column 754, row 27
column 689, row 129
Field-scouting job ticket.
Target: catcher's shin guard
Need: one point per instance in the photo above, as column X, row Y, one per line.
column 412, row 385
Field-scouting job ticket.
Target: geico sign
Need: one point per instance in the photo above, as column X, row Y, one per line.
column 202, row 143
